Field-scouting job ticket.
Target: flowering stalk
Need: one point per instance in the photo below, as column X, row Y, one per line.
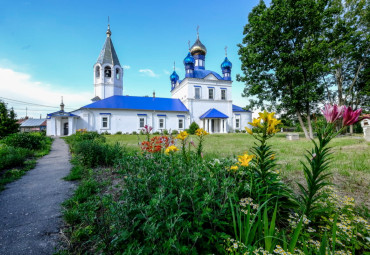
column 266, row 125
column 201, row 133
column 182, row 136
column 318, row 159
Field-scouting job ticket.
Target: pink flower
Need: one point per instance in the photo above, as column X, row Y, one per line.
column 333, row 112
column 350, row 116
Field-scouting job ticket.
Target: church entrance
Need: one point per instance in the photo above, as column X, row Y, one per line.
column 65, row 129
column 213, row 125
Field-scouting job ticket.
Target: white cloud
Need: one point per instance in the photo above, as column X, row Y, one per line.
column 166, row 72
column 148, row 72
column 20, row 86
column 126, row 67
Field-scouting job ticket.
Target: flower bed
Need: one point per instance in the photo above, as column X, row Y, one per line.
column 168, row 199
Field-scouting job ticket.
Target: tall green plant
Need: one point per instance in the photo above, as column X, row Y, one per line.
column 318, row 159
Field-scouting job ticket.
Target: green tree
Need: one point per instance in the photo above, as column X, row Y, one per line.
column 284, row 56
column 348, row 82
column 8, row 122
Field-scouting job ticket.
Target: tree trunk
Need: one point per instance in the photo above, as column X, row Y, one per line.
column 351, row 129
column 302, row 125
column 309, row 125
column 339, row 81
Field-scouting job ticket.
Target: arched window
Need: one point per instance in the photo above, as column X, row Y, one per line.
column 107, row 72
column 117, row 73
column 97, row 72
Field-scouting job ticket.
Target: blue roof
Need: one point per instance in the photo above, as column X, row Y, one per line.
column 200, row 74
column 61, row 114
column 214, row 114
column 139, row 103
column 239, row 109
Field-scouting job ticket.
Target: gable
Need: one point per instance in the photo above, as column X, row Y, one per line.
column 211, row 77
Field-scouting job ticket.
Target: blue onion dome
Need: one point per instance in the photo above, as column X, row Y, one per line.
column 198, row 48
column 174, row 76
column 226, row 64
column 189, row 59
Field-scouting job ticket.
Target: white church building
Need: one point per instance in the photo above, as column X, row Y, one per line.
column 203, row 97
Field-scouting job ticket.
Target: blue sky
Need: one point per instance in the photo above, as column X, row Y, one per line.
column 48, row 48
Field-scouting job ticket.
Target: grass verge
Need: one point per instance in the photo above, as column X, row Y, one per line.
column 10, row 175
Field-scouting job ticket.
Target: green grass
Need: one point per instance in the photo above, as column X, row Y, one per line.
column 10, row 175
column 350, row 159
column 16, row 173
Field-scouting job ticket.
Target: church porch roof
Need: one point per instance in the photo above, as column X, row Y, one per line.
column 213, row 114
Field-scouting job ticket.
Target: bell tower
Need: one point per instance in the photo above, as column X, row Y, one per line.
column 108, row 72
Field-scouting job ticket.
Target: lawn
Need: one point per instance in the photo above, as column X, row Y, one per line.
column 350, row 164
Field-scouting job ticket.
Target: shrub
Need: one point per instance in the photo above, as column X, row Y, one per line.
column 237, row 130
column 94, row 153
column 119, row 133
column 168, row 206
column 165, row 132
column 106, row 133
column 134, row 133
column 84, row 136
column 31, row 141
column 193, row 127
column 174, row 132
column 12, row 157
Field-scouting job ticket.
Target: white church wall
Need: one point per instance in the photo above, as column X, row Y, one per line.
column 128, row 121
column 244, row 118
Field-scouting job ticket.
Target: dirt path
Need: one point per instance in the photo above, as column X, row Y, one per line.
column 30, row 210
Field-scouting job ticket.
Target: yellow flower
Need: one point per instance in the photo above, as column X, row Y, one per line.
column 245, row 159
column 249, row 131
column 170, row 149
column 182, row 135
column 201, row 132
column 256, row 122
column 272, row 156
column 234, row 168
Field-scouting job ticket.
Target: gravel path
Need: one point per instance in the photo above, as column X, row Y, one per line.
column 30, row 211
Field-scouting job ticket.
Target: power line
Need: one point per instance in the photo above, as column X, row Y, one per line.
column 33, row 104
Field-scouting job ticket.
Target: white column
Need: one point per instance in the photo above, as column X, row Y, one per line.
column 208, row 126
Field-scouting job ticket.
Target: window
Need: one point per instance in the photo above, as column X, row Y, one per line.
column 181, row 123
column 141, row 122
column 237, row 123
column 117, row 74
column 97, row 72
column 107, row 72
column 105, row 121
column 161, row 123
column 210, row 93
column 197, row 93
column 223, row 94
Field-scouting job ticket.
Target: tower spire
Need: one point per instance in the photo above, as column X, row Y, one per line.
column 109, row 33
column 62, row 105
